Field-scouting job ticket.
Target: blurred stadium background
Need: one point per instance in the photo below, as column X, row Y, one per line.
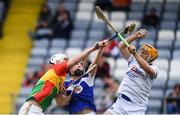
column 26, row 45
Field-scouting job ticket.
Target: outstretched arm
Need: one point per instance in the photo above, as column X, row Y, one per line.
column 95, row 61
column 85, row 53
column 97, row 58
column 80, row 57
column 123, row 49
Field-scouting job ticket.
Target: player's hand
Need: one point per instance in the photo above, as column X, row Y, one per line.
column 102, row 44
column 141, row 33
column 62, row 91
column 132, row 49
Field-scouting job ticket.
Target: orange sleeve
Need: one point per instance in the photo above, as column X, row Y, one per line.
column 60, row 69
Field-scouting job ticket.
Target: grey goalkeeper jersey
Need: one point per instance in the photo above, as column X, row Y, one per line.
column 137, row 83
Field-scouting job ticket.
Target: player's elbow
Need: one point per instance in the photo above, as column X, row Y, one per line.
column 151, row 73
column 71, row 63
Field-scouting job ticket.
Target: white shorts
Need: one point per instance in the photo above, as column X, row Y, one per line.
column 30, row 110
column 124, row 107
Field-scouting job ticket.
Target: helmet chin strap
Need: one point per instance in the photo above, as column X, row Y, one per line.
column 149, row 58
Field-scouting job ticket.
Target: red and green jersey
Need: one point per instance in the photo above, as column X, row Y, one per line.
column 49, row 86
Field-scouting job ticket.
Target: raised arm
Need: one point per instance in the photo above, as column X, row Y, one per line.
column 142, row 62
column 84, row 54
column 97, row 58
column 95, row 61
column 123, row 49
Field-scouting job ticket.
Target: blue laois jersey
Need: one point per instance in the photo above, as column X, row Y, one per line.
column 83, row 97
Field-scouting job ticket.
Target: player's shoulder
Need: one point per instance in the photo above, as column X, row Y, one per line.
column 66, row 82
column 62, row 64
column 155, row 66
column 89, row 80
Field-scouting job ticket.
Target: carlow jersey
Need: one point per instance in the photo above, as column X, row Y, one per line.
column 137, row 83
column 50, row 84
column 83, row 96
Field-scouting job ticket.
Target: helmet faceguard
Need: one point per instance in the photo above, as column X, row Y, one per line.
column 58, row 58
column 153, row 52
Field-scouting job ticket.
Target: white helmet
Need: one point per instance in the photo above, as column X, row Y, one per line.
column 58, row 57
